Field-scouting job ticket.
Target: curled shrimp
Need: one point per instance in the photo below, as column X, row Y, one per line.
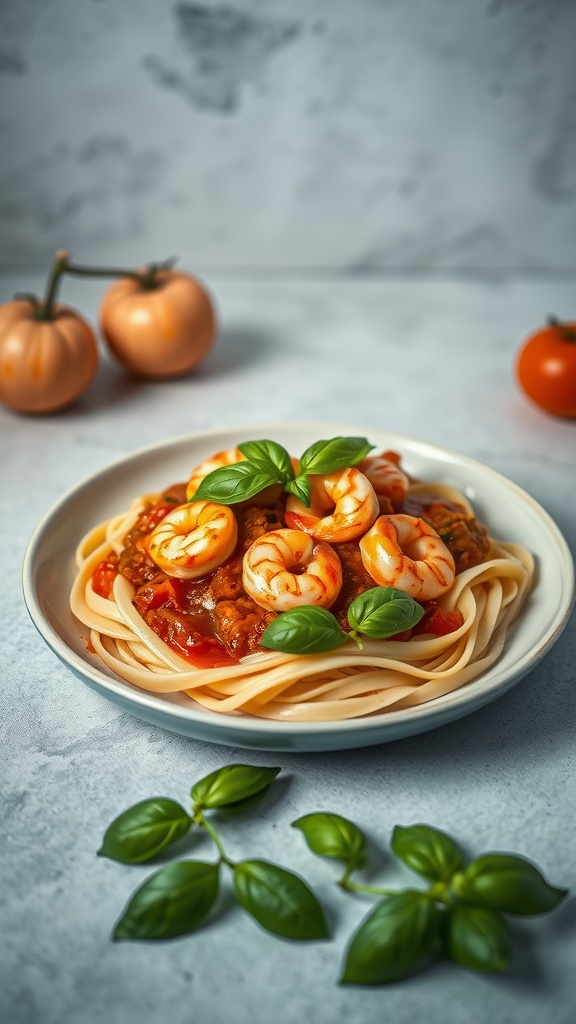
column 387, row 479
column 349, row 499
column 403, row 551
column 284, row 569
column 217, row 461
column 193, row 539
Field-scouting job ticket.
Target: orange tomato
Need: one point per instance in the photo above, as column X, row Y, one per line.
column 44, row 364
column 546, row 367
column 163, row 330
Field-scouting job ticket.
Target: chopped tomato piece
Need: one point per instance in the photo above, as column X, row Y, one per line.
column 167, row 592
column 435, row 620
column 103, row 577
column 438, row 621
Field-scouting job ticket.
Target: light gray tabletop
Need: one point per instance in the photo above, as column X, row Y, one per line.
column 429, row 359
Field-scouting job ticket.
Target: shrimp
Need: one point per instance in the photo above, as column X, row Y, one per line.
column 284, row 569
column 403, row 551
column 387, row 479
column 348, row 494
column 217, row 461
column 193, row 539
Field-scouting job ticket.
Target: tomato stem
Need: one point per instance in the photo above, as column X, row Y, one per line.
column 146, row 278
column 45, row 309
column 568, row 333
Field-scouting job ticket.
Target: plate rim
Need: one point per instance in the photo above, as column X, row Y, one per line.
column 370, row 730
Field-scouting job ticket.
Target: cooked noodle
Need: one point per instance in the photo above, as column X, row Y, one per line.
column 346, row 683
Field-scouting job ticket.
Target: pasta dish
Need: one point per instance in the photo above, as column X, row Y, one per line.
column 181, row 591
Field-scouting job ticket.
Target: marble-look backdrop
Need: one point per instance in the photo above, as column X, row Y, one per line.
column 348, row 134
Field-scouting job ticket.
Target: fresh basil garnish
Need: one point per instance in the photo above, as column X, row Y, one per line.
column 232, row 484
column 305, row 630
column 301, row 488
column 270, row 457
column 267, row 462
column 337, row 453
column 383, row 611
column 378, row 613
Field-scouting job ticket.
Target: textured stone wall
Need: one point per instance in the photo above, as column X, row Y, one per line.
column 352, row 134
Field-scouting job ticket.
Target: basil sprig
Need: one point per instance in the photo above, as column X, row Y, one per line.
column 461, row 916
column 179, row 897
column 267, row 462
column 378, row 613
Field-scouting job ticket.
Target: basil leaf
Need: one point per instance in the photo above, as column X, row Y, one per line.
column 174, row 901
column 269, row 457
column 231, row 484
column 393, row 940
column 142, row 831
column 305, row 630
column 330, row 835
column 337, row 453
column 227, row 786
column 279, row 900
column 383, row 611
column 300, row 486
column 426, row 850
column 477, row 938
column 508, row 883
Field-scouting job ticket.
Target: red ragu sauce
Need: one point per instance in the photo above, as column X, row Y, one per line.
column 211, row 622
column 175, row 610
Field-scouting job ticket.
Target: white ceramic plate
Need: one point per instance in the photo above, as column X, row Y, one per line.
column 510, row 513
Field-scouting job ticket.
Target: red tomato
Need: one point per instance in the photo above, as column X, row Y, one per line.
column 546, row 368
